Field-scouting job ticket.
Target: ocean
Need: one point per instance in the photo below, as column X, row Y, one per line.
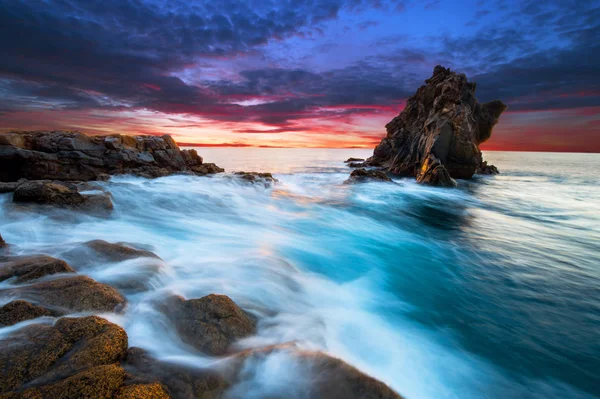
column 489, row 290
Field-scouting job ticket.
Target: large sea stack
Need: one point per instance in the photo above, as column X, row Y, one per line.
column 436, row 137
column 74, row 156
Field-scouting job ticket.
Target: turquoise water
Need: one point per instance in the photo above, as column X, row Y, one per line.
column 489, row 290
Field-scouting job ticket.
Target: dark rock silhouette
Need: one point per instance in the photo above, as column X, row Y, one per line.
column 436, row 137
column 211, row 323
column 61, row 155
column 354, row 160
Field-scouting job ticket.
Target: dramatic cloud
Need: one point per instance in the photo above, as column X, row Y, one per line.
column 287, row 72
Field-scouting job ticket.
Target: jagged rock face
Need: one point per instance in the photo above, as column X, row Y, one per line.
column 436, row 137
column 60, row 155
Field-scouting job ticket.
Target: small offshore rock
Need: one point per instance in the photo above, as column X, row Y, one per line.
column 17, row 311
column 354, row 160
column 210, row 324
column 3, row 243
column 358, row 164
column 487, row 169
column 255, row 177
column 72, row 294
column 364, row 175
column 28, row 268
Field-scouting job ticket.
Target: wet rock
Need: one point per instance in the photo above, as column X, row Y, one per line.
column 117, row 252
column 181, row 382
column 143, row 391
column 441, row 126
column 28, row 268
column 354, row 160
column 48, row 192
column 210, row 324
column 9, row 187
column 266, row 179
column 69, row 156
column 434, row 173
column 75, row 358
column 364, row 175
column 358, row 165
column 330, row 378
column 206, row 169
column 3, row 243
column 73, row 294
column 486, row 169
column 17, row 311
column 64, row 194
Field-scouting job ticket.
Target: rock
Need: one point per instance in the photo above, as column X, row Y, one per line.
column 433, row 172
column 441, row 127
column 28, row 268
column 75, row 358
column 3, row 243
column 117, row 252
column 486, row 169
column 61, row 194
column 363, row 175
column 181, row 382
column 72, row 294
column 266, row 179
column 354, row 160
column 47, row 192
column 17, row 311
column 210, row 324
column 358, row 164
column 330, row 378
column 10, row 187
column 143, row 391
column 69, row 156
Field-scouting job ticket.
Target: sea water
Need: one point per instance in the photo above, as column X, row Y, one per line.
column 489, row 290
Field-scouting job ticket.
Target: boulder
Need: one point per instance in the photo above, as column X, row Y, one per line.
column 364, row 175
column 440, row 128
column 330, row 378
column 77, row 357
column 17, row 311
column 486, row 169
column 266, row 179
column 72, row 294
column 61, row 194
column 3, row 243
column 357, row 164
column 70, row 156
column 143, row 391
column 182, row 382
column 28, row 268
column 117, row 252
column 354, row 160
column 210, row 324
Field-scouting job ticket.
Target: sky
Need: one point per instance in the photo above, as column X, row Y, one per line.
column 294, row 73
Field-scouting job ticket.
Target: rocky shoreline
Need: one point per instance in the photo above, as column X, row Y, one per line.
column 89, row 357
column 58, row 347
